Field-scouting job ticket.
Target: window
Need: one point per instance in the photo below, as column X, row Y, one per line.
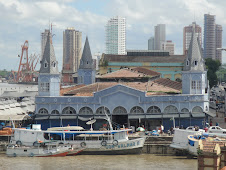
column 119, row 110
column 196, row 63
column 171, row 109
column 199, row 84
column 86, row 111
column 193, row 85
column 43, row 111
column 187, row 63
column 68, row 110
column 44, row 87
column 55, row 112
column 197, row 109
column 102, row 109
column 184, row 110
column 153, row 109
column 136, row 109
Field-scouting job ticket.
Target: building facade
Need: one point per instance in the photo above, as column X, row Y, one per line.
column 72, row 52
column 168, row 46
column 209, row 36
column 187, row 34
column 134, row 103
column 219, row 31
column 151, row 43
column 170, row 66
column 115, row 35
column 160, row 36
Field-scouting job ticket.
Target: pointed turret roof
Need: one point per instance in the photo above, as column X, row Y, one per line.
column 86, row 61
column 194, row 60
column 49, row 64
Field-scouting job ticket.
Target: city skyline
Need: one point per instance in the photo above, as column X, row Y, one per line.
column 24, row 20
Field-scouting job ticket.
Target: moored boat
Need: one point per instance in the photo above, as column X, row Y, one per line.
column 92, row 142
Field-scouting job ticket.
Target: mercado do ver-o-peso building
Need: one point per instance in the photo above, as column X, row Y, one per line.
column 125, row 105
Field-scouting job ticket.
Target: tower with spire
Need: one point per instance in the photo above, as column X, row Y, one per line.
column 49, row 77
column 86, row 71
column 194, row 74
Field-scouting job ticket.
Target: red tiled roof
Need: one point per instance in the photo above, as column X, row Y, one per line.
column 64, row 90
column 137, row 72
column 151, row 88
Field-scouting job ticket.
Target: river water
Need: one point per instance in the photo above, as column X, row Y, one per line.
column 100, row 162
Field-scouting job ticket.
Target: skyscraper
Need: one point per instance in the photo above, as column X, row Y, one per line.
column 44, row 36
column 72, row 50
column 187, row 34
column 160, row 35
column 151, row 43
column 168, row 46
column 209, row 36
column 115, row 31
column 219, row 42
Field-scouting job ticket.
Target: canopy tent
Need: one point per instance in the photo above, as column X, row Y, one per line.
column 14, row 117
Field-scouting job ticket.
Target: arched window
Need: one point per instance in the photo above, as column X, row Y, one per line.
column 196, row 63
column 187, row 63
column 55, row 112
column 153, row 110
column 136, row 110
column 100, row 110
column 119, row 110
column 197, row 109
column 171, row 109
column 68, row 110
column 184, row 110
column 86, row 111
column 43, row 111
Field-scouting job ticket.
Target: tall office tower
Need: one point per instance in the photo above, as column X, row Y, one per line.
column 115, row 31
column 151, row 43
column 168, row 46
column 72, row 52
column 219, row 42
column 44, row 36
column 209, row 36
column 160, row 35
column 187, row 34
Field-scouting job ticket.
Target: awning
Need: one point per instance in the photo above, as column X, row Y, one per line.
column 136, row 116
column 41, row 117
column 14, row 117
column 68, row 117
column 170, row 115
column 198, row 114
column 153, row 116
column 100, row 117
column 85, row 118
column 184, row 115
column 211, row 112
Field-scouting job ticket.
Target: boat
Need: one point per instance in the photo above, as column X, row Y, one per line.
column 38, row 151
column 95, row 142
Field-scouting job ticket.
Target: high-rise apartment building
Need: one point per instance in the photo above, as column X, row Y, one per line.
column 209, row 36
column 160, row 35
column 168, row 46
column 187, row 34
column 44, row 36
column 115, row 30
column 72, row 52
column 151, row 43
column 219, row 31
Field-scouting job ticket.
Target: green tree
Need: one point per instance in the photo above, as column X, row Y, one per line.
column 213, row 67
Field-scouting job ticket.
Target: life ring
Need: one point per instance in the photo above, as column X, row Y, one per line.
column 83, row 144
column 115, row 142
column 104, row 143
column 32, row 154
column 14, row 154
column 18, row 142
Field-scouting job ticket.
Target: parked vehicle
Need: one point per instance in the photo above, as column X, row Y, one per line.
column 216, row 129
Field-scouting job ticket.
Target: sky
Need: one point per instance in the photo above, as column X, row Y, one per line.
column 23, row 20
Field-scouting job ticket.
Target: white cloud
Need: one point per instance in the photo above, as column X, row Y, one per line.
column 21, row 20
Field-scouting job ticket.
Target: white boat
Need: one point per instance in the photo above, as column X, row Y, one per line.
column 92, row 142
column 38, row 151
column 180, row 138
